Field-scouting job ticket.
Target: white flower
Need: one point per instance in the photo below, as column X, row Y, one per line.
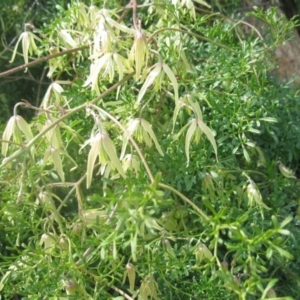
column 103, row 147
column 143, row 132
column 28, row 44
column 15, row 127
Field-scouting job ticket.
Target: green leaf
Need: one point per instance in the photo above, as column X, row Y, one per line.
column 269, row 119
column 283, row 253
column 286, row 221
column 270, row 284
column 246, row 155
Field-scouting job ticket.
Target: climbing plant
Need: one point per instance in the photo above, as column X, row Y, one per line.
column 143, row 173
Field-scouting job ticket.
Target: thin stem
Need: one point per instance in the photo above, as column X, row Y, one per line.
column 16, row 106
column 135, row 20
column 12, row 143
column 184, row 198
column 111, row 214
column 42, row 59
column 200, row 37
column 121, row 293
column 74, row 188
column 68, row 114
column 234, row 20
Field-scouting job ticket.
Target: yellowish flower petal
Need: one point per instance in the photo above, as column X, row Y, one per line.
column 8, row 132
column 207, row 131
column 188, row 138
column 149, row 80
column 173, row 80
column 23, row 125
column 149, row 130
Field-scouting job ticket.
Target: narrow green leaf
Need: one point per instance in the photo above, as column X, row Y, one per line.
column 270, row 284
column 269, row 119
column 3, row 279
column 246, row 155
column 286, row 221
column 284, row 232
column 283, row 252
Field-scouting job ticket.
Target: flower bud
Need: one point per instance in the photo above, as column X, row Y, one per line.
column 203, row 253
column 224, row 265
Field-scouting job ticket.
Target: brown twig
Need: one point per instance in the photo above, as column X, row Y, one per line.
column 121, row 292
column 134, row 17
column 42, row 59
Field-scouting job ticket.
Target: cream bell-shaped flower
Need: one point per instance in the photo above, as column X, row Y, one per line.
column 48, row 241
column 132, row 163
column 97, row 15
column 67, row 39
column 254, row 195
column 53, row 155
column 130, row 273
column 156, row 76
column 28, row 44
column 14, row 128
column 103, row 38
column 203, row 253
column 142, row 131
column 93, row 15
column 53, row 95
column 105, row 66
column 196, row 127
column 53, row 135
column 139, row 53
column 103, row 148
column 285, row 171
column 149, row 288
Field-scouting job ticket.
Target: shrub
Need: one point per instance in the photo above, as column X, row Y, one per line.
column 151, row 167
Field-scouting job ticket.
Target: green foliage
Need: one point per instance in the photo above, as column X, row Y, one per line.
column 157, row 164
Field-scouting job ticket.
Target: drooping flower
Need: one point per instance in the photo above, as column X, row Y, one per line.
column 28, row 44
column 103, row 148
column 142, row 130
column 15, row 127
